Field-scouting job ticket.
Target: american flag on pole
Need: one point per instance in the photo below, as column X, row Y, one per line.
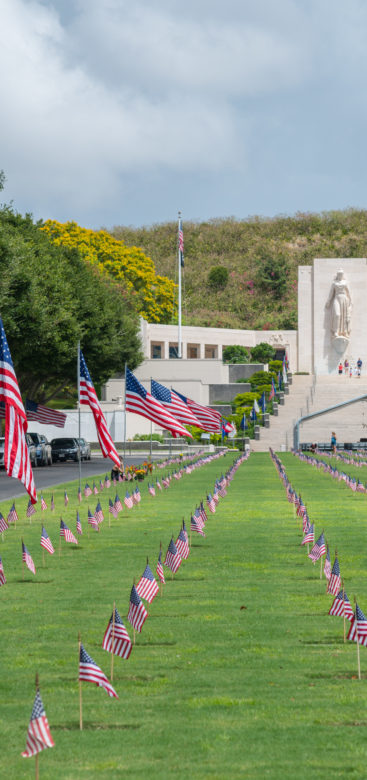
column 209, row 419
column 140, row 401
column 92, row 520
column 181, row 243
column 39, row 735
column 107, row 481
column 174, row 404
column 159, row 568
column 43, row 414
column 46, row 541
column 27, row 559
column 16, row 456
column 128, row 500
column 2, row 575
column 112, row 509
column 309, row 537
column 327, row 564
column 147, row 587
column 195, row 526
column 116, row 639
column 358, row 628
column 12, row 516
column 341, row 605
column 151, row 489
column 118, row 504
column 66, row 533
column 78, row 525
column 66, row 498
column 43, row 503
column 3, row 524
column 30, row 509
column 90, row 672
column 173, row 558
column 95, row 489
column 182, row 545
column 318, row 549
column 98, row 514
column 137, row 614
column 211, row 503
column 136, row 496
column 335, row 578
column 88, row 396
column 87, row 490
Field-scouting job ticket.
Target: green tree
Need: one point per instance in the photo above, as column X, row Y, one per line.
column 49, row 300
column 218, row 277
column 262, row 353
column 272, row 275
column 235, row 354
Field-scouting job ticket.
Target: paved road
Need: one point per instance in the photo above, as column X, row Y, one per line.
column 50, row 476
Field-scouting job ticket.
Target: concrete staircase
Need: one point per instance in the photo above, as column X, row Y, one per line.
column 310, row 394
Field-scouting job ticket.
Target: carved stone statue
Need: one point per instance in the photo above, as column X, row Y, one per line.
column 341, row 310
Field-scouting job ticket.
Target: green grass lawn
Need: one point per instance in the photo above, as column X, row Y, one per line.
column 238, row 671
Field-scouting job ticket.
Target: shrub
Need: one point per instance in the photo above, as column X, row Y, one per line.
column 275, row 365
column 234, row 353
column 146, row 437
column 261, row 378
column 246, row 399
column 273, row 274
column 218, row 277
column 263, row 352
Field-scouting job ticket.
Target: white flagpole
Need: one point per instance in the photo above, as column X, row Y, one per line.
column 79, row 426
column 179, row 287
column 125, row 419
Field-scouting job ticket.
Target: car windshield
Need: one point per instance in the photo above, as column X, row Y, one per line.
column 34, row 437
column 63, row 443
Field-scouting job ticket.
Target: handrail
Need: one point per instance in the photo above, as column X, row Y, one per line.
column 319, row 413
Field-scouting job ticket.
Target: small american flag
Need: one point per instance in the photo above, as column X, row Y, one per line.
column 95, row 489
column 107, row 482
column 43, row 503
column 91, row 519
column 211, row 503
column 66, row 533
column 78, row 524
column 147, row 587
column 159, row 569
column 2, row 575
column 159, row 486
column 90, row 672
column 116, row 639
column 27, row 559
column 118, row 504
column 98, row 514
column 101, row 485
column 309, row 537
column 30, row 509
column 66, row 498
column 335, row 578
column 173, row 558
column 3, row 524
column 39, row 735
column 199, row 518
column 327, row 565
column 128, row 500
column 136, row 496
column 151, row 489
column 358, row 628
column 319, row 549
column 203, row 512
column 194, row 526
column 12, row 516
column 112, row 509
column 87, row 490
column 341, row 605
column 46, row 541
column 137, row 614
column 182, row 545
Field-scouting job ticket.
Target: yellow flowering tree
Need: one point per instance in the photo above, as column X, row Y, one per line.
column 154, row 296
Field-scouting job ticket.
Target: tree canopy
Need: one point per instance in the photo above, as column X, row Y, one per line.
column 50, row 298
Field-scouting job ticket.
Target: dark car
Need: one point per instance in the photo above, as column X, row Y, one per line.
column 43, row 449
column 64, row 449
column 2, row 446
column 85, row 451
column 31, row 449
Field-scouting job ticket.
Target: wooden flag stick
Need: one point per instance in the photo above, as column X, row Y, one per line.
column 43, row 557
column 36, row 766
column 22, row 562
column 113, row 639
column 358, row 658
column 80, row 690
column 321, row 567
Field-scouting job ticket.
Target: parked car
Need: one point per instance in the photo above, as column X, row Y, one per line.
column 85, row 451
column 64, row 449
column 2, row 446
column 31, row 449
column 43, row 449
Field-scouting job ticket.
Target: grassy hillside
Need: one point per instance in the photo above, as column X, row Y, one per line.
column 261, row 255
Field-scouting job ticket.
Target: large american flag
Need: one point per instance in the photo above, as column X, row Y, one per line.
column 16, row 455
column 43, row 414
column 358, row 628
column 90, row 672
column 137, row 614
column 209, row 419
column 181, row 243
column 88, row 396
column 174, row 404
column 140, row 401
column 116, row 639
column 147, row 586
column 39, row 735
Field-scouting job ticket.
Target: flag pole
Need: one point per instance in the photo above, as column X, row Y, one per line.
column 343, row 608
column 358, row 658
column 179, row 337
column 125, row 418
column 79, row 423
column 80, row 692
column 113, row 638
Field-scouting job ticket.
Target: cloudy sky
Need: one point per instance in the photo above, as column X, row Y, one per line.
column 117, row 112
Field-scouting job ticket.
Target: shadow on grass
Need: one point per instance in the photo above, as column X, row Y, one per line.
column 154, row 644
column 34, row 582
column 87, row 724
column 330, row 641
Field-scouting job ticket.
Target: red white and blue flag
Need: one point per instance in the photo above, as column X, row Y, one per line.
column 90, row 672
column 209, row 419
column 358, row 628
column 43, row 414
column 173, row 558
column 174, row 404
column 137, row 614
column 159, row 568
column 140, row 401
column 147, row 586
column 46, row 541
column 66, row 533
column 116, row 639
column 27, row 559
column 2, row 575
column 88, row 396
column 39, row 735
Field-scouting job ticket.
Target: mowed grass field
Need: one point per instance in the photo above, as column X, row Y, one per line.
column 238, row 672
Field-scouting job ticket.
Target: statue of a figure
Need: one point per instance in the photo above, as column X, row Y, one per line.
column 340, row 301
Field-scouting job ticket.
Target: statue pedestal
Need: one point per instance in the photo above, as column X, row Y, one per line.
column 340, row 343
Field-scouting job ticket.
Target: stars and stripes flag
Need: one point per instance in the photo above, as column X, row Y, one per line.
column 174, row 404
column 203, row 513
column 87, row 490
column 147, row 587
column 341, row 605
column 12, row 516
column 46, row 541
column 116, row 639
column 195, row 526
column 335, row 578
column 181, row 243
column 95, row 489
column 327, row 564
column 118, row 504
column 66, row 533
column 16, row 455
column 173, row 558
column 112, row 509
column 43, row 503
column 98, row 514
column 30, row 509
column 27, row 559
column 136, row 496
column 128, row 500
column 90, row 672
column 88, row 396
column 2, row 575
column 159, row 569
column 182, row 545
column 184, row 531
column 44, row 415
column 318, row 549
column 209, row 419
column 101, row 485
column 78, row 525
column 137, row 614
column 309, row 537
column 151, row 489
column 107, row 481
column 66, row 498
column 140, row 401
column 358, row 628
column 39, row 735
column 91, row 519
column 3, row 524
column 159, row 486
column 211, row 503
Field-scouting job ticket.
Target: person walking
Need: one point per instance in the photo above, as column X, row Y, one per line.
column 340, row 367
column 333, row 442
column 359, row 366
column 346, row 366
